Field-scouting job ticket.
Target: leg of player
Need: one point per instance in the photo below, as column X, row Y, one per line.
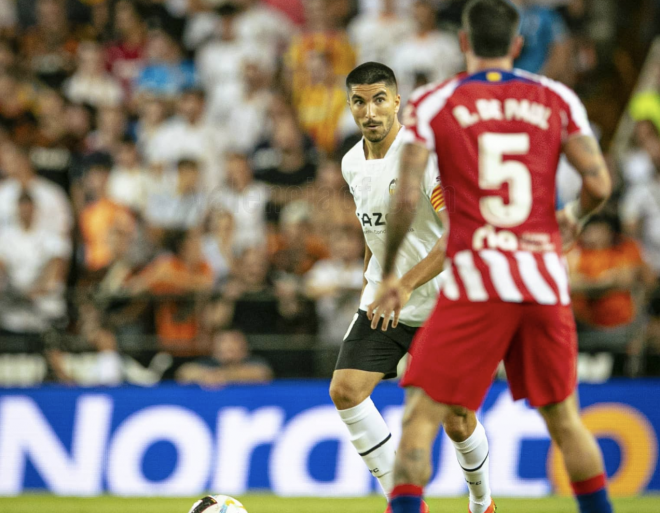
column 582, row 456
column 350, row 390
column 471, row 444
column 422, row 418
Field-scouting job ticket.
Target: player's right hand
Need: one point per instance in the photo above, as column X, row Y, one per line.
column 390, row 298
column 569, row 228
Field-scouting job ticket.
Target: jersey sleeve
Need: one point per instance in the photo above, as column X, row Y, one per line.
column 432, row 186
column 419, row 129
column 574, row 115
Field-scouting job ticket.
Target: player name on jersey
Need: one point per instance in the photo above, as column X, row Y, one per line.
column 511, row 109
column 498, row 136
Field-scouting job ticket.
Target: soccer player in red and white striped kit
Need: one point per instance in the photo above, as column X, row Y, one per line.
column 498, row 134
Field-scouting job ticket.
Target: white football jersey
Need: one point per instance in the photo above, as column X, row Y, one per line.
column 372, row 183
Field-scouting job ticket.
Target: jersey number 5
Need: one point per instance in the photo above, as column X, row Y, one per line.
column 494, row 171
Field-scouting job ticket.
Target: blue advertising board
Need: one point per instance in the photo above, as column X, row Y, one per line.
column 286, row 438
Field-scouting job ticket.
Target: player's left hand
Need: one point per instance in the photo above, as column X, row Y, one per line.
column 391, row 296
column 568, row 228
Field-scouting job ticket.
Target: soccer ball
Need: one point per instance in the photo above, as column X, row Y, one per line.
column 217, row 504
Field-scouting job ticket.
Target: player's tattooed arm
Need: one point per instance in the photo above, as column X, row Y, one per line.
column 585, row 156
column 404, row 205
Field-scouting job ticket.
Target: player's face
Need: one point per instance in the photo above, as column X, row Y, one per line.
column 374, row 108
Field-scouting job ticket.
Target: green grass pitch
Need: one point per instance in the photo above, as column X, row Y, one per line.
column 269, row 504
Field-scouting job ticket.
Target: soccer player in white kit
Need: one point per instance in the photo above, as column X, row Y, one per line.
column 371, row 351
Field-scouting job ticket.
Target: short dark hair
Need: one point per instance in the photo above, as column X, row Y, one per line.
column 187, row 163
column 491, row 26
column 371, row 73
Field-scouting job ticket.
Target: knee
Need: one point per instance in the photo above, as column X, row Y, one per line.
column 345, row 394
column 457, row 424
column 563, row 427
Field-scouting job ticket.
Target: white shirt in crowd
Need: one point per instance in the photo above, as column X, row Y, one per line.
column 261, row 24
column 247, row 117
column 249, row 210
column 99, row 91
column 177, row 139
column 169, row 210
column 129, row 187
column 366, row 33
column 52, row 208
column 436, row 54
column 220, row 64
column 641, row 204
column 220, row 265
column 25, row 255
column 336, row 311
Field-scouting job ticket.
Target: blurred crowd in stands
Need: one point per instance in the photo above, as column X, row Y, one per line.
column 171, row 197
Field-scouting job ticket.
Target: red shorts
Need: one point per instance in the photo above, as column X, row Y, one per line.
column 455, row 356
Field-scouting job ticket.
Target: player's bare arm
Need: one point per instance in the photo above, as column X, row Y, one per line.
column 427, row 269
column 585, row 156
column 412, row 165
column 414, row 158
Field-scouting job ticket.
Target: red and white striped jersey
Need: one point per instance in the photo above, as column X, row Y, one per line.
column 498, row 136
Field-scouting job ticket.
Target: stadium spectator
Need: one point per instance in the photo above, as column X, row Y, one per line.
column 296, row 248
column 91, row 83
column 33, row 268
column 52, row 209
column 50, row 145
column 336, row 283
column 111, row 127
column 109, row 308
column 129, row 182
column 265, row 25
column 79, row 123
column 607, row 271
column 181, row 207
column 164, row 72
column 367, row 29
column 320, row 34
column 48, row 48
column 255, row 303
column 428, row 55
column 179, row 276
column 330, row 201
column 246, row 112
column 547, row 49
column 98, row 217
column 125, row 55
column 640, row 207
column 218, row 244
column 152, row 112
column 286, row 161
column 220, row 60
column 245, row 199
column 16, row 98
column 230, row 362
column 321, row 104
column 190, row 135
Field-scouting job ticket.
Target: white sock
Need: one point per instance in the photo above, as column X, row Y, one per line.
column 472, row 455
column 373, row 441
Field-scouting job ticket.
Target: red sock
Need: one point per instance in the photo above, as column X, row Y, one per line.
column 589, row 486
column 591, row 495
column 406, row 499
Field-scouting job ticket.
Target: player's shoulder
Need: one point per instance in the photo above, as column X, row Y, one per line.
column 562, row 91
column 421, row 94
column 352, row 160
